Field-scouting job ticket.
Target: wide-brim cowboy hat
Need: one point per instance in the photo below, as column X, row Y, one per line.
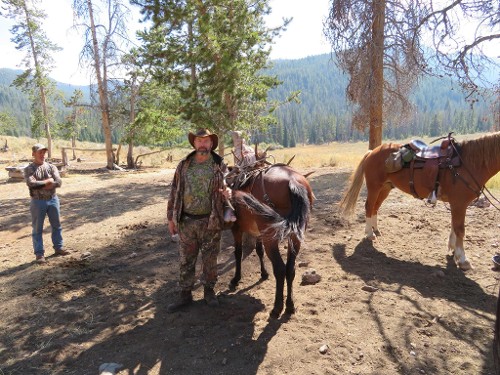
column 204, row 133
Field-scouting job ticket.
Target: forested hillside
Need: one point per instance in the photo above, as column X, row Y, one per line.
column 323, row 114
column 17, row 104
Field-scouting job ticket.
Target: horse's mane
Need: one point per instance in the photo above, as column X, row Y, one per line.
column 481, row 151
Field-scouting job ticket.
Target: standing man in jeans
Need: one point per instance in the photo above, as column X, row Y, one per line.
column 42, row 179
column 195, row 212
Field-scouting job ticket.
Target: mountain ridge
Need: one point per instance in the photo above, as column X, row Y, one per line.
column 324, row 112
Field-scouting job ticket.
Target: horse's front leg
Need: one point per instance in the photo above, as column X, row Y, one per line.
column 293, row 251
column 279, row 270
column 374, row 223
column 259, row 249
column 456, row 238
column 452, row 241
column 238, row 254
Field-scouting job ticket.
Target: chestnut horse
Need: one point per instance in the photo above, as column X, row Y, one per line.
column 274, row 205
column 458, row 186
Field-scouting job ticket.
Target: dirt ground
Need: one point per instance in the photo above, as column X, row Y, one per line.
column 395, row 306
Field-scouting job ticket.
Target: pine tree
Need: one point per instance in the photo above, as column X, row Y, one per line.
column 30, row 37
column 213, row 53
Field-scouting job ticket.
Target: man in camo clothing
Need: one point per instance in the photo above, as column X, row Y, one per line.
column 42, row 179
column 195, row 212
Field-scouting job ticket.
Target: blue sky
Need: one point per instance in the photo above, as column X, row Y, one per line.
column 304, row 36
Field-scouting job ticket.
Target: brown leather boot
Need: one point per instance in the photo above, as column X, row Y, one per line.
column 183, row 299
column 210, row 297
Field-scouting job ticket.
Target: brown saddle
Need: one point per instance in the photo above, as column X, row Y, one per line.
column 444, row 155
column 431, row 159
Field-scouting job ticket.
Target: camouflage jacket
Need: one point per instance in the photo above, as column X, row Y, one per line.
column 175, row 202
column 34, row 174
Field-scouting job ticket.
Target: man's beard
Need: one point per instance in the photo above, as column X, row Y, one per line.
column 202, row 151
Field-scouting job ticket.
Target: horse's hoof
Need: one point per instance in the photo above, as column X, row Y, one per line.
column 371, row 237
column 233, row 285
column 377, row 233
column 465, row 266
column 264, row 276
column 274, row 314
column 290, row 310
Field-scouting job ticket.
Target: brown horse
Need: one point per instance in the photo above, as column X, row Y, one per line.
column 457, row 185
column 273, row 204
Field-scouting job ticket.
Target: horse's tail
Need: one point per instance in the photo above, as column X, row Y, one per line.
column 282, row 227
column 297, row 219
column 348, row 202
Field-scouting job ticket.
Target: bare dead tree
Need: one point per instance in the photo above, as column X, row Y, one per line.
column 102, row 51
column 461, row 32
column 373, row 43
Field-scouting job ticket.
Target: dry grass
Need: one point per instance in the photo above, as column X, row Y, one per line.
column 342, row 155
column 328, row 155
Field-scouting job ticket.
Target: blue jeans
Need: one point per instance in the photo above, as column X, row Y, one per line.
column 39, row 208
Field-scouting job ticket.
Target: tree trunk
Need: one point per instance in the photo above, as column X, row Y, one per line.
column 377, row 80
column 103, row 91
column 130, row 153
column 45, row 112
column 73, row 145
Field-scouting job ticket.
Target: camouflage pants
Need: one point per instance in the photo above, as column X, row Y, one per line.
column 195, row 238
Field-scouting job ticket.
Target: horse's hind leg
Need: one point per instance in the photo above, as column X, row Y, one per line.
column 238, row 254
column 259, row 249
column 293, row 251
column 376, row 194
column 382, row 195
column 279, row 270
column 457, row 235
